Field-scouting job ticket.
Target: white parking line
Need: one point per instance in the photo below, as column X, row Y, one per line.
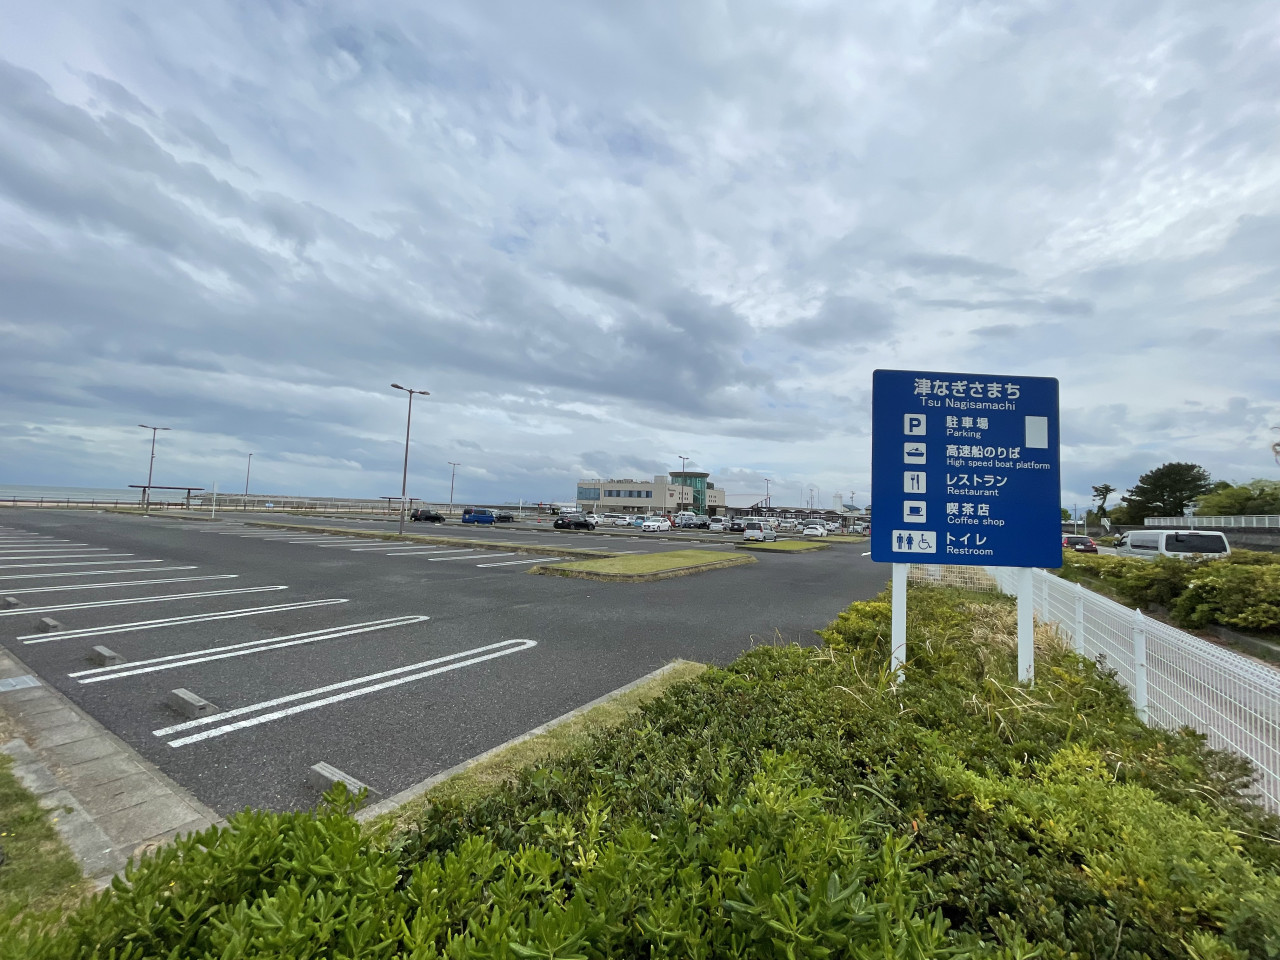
column 74, row 553
column 7, row 542
column 122, row 583
column 94, row 573
column 27, row 611
column 475, row 556
column 77, row 563
column 386, row 546
column 172, row 621
column 343, row 685
column 98, row 674
column 512, row 563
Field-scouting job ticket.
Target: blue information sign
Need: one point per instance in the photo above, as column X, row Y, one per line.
column 964, row 469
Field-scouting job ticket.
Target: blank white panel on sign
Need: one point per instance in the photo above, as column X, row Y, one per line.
column 1038, row 432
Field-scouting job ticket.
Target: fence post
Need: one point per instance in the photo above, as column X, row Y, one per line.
column 1140, row 664
column 1077, row 634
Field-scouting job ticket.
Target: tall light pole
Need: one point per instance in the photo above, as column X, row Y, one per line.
column 767, row 503
column 404, row 478
column 452, row 473
column 246, row 475
column 146, row 494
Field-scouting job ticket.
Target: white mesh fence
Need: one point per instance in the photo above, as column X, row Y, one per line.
column 1175, row 679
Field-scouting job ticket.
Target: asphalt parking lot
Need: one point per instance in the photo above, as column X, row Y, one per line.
column 390, row 661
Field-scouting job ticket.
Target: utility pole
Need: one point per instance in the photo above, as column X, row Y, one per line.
column 452, row 474
column 767, row 501
column 146, row 494
column 246, row 475
column 404, row 477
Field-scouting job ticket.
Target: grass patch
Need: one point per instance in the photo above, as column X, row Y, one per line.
column 645, row 566
column 39, row 878
column 505, row 765
column 782, row 546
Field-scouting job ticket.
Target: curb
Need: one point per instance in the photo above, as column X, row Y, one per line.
column 365, row 814
column 764, row 548
column 552, row 570
column 120, row 805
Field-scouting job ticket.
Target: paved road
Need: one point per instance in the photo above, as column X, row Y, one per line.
column 389, row 661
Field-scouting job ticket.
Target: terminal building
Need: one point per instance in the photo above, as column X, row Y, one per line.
column 679, row 490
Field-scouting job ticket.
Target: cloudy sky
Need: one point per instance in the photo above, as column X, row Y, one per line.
column 607, row 235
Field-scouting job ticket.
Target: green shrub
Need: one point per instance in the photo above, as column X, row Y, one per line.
column 803, row 802
column 1237, row 595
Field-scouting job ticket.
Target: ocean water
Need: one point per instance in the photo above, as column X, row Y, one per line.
column 20, row 491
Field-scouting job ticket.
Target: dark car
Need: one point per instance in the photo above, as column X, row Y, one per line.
column 1079, row 544
column 428, row 516
column 737, row 526
column 573, row 521
column 505, row 516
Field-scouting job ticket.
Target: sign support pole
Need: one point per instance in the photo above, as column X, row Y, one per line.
column 1026, row 626
column 213, row 508
column 898, row 627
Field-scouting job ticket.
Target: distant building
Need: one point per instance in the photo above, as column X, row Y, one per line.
column 680, row 490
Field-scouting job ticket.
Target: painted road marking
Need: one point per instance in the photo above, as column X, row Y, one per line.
column 78, row 563
column 475, row 655
column 121, row 583
column 98, row 674
column 95, row 573
column 72, row 554
column 172, row 621
column 386, row 546
column 512, row 563
column 427, row 551
column 26, row 611
column 475, row 556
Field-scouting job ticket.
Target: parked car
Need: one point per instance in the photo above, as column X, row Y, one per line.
column 717, row 525
column 786, row 525
column 1079, row 544
column 755, row 530
column 833, row 526
column 478, row 515
column 427, row 516
column 701, row 523
column 1173, row 543
column 814, row 530
column 505, row 516
column 622, row 521
column 594, row 518
column 573, row 521
column 655, row 524
column 737, row 525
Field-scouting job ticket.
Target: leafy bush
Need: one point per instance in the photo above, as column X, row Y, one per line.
column 1237, row 595
column 1241, row 591
column 803, row 802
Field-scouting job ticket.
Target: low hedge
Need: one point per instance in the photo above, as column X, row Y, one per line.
column 1240, row 591
column 801, row 803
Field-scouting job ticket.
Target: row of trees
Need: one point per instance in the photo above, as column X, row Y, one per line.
column 1168, row 490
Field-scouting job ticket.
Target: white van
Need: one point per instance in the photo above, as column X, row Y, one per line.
column 1173, row 543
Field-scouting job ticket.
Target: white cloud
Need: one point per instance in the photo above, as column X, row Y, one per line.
column 605, row 236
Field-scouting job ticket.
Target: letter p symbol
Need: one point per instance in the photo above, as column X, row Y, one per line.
column 913, row 424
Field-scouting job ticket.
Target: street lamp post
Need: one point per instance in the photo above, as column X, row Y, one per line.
column 767, row 501
column 452, row 473
column 146, row 494
column 246, row 475
column 404, row 478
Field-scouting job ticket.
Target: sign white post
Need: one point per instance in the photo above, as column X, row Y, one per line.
column 1026, row 626
column 213, row 509
column 965, row 472
column 898, row 607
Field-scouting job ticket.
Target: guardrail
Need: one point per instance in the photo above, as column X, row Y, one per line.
column 1190, row 523
column 1174, row 679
